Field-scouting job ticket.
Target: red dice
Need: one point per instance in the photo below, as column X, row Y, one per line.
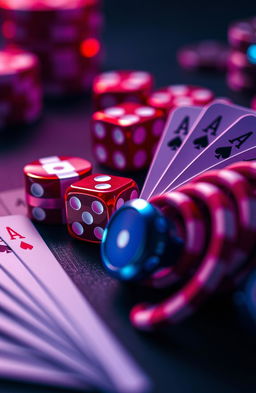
column 115, row 87
column 90, row 203
column 171, row 97
column 46, row 181
column 125, row 136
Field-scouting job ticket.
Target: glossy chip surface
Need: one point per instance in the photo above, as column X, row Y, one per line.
column 134, row 241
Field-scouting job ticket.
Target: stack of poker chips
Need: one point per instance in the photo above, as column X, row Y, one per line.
column 210, row 221
column 20, row 88
column 46, row 181
column 241, row 75
column 64, row 34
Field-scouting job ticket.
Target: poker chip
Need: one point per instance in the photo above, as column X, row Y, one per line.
column 211, row 270
column 183, row 211
column 242, row 34
column 241, row 195
column 46, row 181
column 174, row 96
column 247, row 169
column 20, row 88
column 64, row 32
column 130, row 255
column 210, row 55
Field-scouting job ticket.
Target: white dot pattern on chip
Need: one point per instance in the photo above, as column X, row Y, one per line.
column 145, row 111
column 99, row 130
column 123, row 238
column 98, row 232
column 75, row 203
column 77, row 228
column 182, row 101
column 127, row 120
column 119, row 160
column 102, row 178
column 87, row 218
column 119, row 203
column 38, row 213
column 141, row 76
column 114, row 111
column 37, row 190
column 97, row 207
column 118, row 136
column 101, row 153
column 102, row 186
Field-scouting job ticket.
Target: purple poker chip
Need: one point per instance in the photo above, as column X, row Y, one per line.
column 242, row 34
column 211, row 55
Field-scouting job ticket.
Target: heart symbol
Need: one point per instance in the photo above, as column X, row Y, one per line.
column 26, row 246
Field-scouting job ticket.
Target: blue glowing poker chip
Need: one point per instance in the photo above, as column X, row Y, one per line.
column 251, row 54
column 135, row 240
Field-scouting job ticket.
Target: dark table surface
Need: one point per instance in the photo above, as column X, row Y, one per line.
column 212, row 351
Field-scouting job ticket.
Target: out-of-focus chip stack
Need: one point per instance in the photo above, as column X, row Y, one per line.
column 20, row 88
column 64, row 34
column 241, row 74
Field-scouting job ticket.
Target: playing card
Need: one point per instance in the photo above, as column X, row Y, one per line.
column 215, row 119
column 20, row 364
column 238, row 137
column 177, row 127
column 13, row 202
column 18, row 282
column 246, row 155
column 21, row 236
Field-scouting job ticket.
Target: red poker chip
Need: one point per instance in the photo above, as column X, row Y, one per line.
column 210, row 55
column 242, row 33
column 248, row 170
column 211, row 270
column 174, row 96
column 241, row 195
column 46, row 181
column 182, row 210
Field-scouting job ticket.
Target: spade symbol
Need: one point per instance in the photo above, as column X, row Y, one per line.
column 175, row 143
column 201, row 142
column 223, row 152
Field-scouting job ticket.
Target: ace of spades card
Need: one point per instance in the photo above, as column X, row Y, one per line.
column 208, row 138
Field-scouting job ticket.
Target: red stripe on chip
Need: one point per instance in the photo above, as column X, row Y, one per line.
column 182, row 211
column 210, row 272
column 240, row 192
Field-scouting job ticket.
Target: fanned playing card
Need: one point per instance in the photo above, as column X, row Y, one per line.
column 44, row 314
column 237, row 138
column 210, row 124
